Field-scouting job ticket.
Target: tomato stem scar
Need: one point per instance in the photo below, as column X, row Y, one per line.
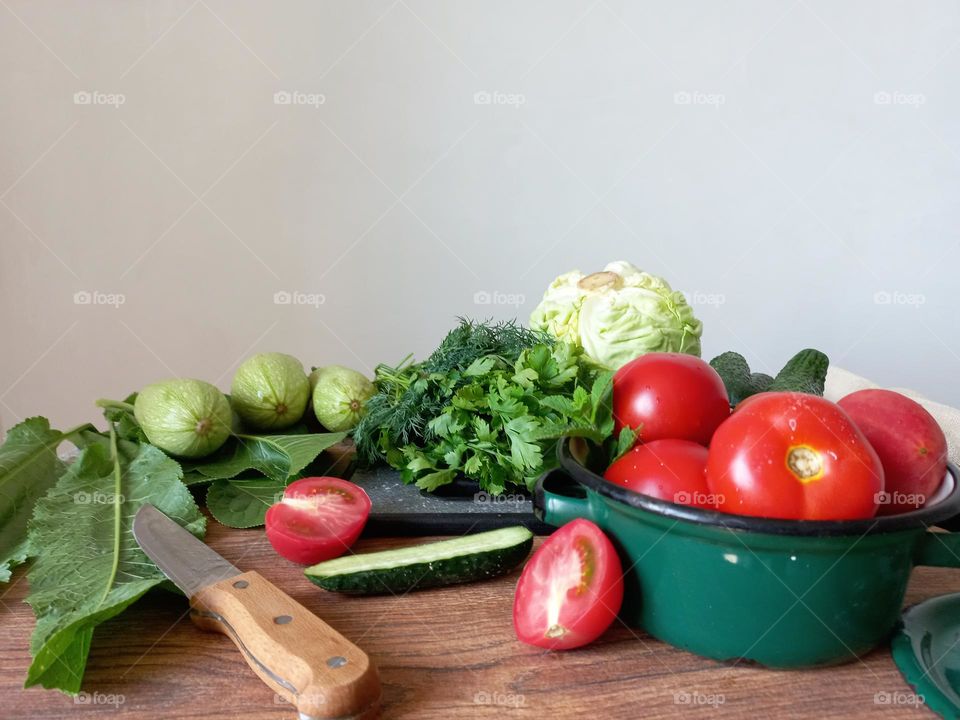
column 555, row 631
column 805, row 463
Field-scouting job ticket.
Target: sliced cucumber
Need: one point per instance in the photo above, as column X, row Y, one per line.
column 462, row 559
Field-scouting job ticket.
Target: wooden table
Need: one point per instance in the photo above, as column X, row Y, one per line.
column 447, row 653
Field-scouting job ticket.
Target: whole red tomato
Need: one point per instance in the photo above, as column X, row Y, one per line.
column 669, row 395
column 793, row 456
column 672, row 470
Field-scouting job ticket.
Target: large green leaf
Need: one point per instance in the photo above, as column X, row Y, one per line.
column 88, row 566
column 29, row 466
column 276, row 456
column 243, row 503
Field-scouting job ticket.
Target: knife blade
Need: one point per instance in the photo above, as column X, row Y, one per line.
column 294, row 652
column 188, row 562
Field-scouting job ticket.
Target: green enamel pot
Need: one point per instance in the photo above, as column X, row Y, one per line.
column 781, row 593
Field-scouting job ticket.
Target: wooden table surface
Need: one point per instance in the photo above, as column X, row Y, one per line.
column 442, row 653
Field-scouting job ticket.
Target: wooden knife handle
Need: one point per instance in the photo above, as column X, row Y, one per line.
column 303, row 659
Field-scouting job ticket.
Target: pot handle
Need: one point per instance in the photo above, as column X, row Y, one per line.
column 939, row 549
column 557, row 499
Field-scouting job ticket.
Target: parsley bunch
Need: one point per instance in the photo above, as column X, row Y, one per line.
column 491, row 404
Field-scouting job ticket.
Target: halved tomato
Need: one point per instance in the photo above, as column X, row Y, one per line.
column 319, row 518
column 571, row 589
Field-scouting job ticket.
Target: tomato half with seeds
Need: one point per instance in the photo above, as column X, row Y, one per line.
column 570, row 590
column 319, row 518
column 793, row 456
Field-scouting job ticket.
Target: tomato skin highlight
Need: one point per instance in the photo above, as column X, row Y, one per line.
column 570, row 591
column 671, row 470
column 318, row 519
column 793, row 456
column 911, row 446
column 669, row 396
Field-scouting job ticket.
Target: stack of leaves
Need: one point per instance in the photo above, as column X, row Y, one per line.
column 88, row 566
column 74, row 519
column 490, row 404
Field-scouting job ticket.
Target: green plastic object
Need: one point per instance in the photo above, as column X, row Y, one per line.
column 780, row 593
column 927, row 651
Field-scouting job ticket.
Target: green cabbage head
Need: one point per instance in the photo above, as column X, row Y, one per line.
column 618, row 314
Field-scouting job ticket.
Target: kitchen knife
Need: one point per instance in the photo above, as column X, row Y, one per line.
column 294, row 652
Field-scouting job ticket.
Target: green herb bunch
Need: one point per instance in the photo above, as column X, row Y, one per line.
column 490, row 403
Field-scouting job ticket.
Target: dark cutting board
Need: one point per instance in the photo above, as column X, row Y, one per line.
column 459, row 509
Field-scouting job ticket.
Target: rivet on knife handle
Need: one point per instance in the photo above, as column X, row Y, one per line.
column 293, row 651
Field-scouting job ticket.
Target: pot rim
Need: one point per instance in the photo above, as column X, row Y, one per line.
column 946, row 508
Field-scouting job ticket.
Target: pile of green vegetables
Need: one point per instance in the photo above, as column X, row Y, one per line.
column 173, row 440
column 490, row 403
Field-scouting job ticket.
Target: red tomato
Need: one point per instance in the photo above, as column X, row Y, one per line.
column 793, row 456
column 910, row 444
column 319, row 518
column 669, row 395
column 570, row 590
column 672, row 470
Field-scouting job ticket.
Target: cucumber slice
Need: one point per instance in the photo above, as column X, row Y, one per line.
column 463, row 559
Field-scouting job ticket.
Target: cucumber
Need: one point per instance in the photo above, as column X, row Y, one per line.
column 463, row 559
column 740, row 382
column 805, row 372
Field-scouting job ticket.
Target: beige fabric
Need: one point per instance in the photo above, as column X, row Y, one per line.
column 842, row 382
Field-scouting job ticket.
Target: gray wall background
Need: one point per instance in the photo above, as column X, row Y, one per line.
column 794, row 166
